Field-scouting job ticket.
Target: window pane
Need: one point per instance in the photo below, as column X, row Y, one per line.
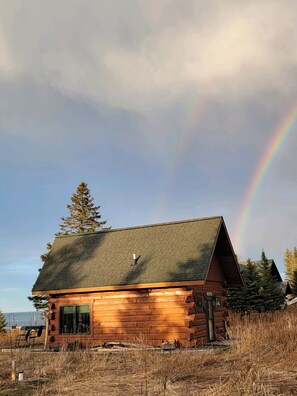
column 83, row 308
column 67, row 319
column 75, row 319
column 68, row 310
column 83, row 319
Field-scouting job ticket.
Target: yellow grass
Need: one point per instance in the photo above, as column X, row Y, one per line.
column 262, row 363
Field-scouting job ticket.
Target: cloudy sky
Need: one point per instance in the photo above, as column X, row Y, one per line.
column 165, row 108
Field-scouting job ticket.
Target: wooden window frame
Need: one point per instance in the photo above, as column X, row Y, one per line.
column 75, row 320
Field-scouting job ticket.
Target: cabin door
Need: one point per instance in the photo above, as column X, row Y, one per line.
column 210, row 316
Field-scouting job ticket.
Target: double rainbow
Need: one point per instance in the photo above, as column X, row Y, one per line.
column 179, row 143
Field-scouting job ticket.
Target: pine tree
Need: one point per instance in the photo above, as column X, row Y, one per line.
column 84, row 216
column 294, row 283
column 260, row 292
column 3, row 322
column 271, row 295
column 40, row 302
column 251, row 279
column 290, row 260
column 247, row 298
column 235, row 300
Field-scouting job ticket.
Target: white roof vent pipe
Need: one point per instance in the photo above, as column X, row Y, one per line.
column 135, row 259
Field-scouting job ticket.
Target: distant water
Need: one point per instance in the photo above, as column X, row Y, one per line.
column 24, row 319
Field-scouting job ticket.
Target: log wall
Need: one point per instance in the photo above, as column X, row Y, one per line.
column 150, row 315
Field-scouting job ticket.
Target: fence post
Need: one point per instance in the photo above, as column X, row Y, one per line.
column 13, row 370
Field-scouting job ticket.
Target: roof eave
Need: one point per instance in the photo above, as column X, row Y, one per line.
column 122, row 287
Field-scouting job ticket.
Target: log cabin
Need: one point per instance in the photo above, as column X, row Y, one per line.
column 156, row 283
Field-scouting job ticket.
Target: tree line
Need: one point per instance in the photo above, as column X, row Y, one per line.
column 261, row 291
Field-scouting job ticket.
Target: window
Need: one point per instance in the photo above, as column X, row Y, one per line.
column 75, row 319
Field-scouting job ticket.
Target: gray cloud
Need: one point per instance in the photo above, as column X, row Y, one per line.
column 190, row 91
column 142, row 55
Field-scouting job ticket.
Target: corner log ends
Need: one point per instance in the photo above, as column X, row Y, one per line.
column 150, row 316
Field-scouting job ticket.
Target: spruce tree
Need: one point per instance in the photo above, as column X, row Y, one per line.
column 251, row 279
column 247, row 298
column 235, row 300
column 84, row 215
column 3, row 322
column 271, row 295
column 260, row 293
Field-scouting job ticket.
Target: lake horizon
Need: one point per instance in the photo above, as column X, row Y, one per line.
column 24, row 318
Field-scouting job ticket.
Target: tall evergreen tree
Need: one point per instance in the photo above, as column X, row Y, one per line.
column 235, row 300
column 3, row 322
column 260, row 293
column 84, row 215
column 247, row 298
column 271, row 295
column 251, row 279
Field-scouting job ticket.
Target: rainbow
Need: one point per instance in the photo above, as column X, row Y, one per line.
column 179, row 143
column 274, row 146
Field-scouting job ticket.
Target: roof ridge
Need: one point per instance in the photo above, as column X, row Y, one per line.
column 142, row 226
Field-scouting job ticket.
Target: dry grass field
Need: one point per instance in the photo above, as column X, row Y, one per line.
column 263, row 362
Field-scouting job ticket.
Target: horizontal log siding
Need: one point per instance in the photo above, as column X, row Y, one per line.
column 150, row 316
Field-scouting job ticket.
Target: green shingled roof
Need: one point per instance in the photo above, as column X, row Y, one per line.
column 169, row 252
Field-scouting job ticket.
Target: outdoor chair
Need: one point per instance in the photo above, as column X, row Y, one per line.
column 23, row 338
column 35, row 333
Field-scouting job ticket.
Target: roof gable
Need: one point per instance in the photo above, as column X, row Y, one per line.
column 228, row 261
column 169, row 252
